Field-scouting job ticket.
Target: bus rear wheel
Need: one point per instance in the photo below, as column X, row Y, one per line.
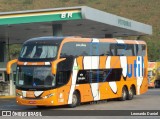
column 130, row 94
column 75, row 100
column 124, row 94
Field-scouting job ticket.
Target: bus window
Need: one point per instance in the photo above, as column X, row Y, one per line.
column 112, row 74
column 120, row 49
column 62, row 77
column 125, row 50
column 141, row 50
column 95, row 76
column 135, row 49
column 35, row 77
column 129, row 50
column 75, row 49
column 104, row 49
column 94, row 49
column 38, row 51
column 82, row 77
column 112, row 49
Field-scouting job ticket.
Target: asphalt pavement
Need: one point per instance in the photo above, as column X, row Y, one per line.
column 147, row 101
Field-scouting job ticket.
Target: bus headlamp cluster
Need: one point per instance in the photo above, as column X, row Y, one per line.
column 19, row 94
column 48, row 96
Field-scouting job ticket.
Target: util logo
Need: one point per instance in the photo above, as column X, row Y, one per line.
column 137, row 68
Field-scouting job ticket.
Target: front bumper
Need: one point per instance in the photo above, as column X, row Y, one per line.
column 44, row 98
column 52, row 101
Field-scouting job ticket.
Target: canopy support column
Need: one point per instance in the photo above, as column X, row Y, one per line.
column 57, row 30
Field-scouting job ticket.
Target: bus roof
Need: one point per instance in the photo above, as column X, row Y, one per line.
column 45, row 38
column 58, row 40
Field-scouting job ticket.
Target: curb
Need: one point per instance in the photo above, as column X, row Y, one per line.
column 7, row 97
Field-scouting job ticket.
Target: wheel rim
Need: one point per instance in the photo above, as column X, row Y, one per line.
column 74, row 100
column 130, row 93
column 124, row 94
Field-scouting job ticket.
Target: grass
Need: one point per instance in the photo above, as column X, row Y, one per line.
column 146, row 11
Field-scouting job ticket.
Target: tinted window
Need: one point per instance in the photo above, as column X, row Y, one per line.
column 140, row 50
column 62, row 77
column 102, row 49
column 130, row 50
column 105, row 50
column 120, row 49
column 95, row 76
column 38, row 51
column 75, row 49
column 94, row 49
column 143, row 50
column 113, row 49
column 82, row 77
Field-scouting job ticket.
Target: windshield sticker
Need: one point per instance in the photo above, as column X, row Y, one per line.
column 81, row 45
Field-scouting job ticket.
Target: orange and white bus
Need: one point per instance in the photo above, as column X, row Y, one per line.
column 55, row 71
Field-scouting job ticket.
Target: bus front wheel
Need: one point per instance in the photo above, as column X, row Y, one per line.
column 124, row 94
column 75, row 100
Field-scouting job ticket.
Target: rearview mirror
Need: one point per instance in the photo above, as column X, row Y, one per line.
column 54, row 65
column 9, row 65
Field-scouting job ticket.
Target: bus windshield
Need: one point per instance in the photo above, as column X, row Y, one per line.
column 38, row 51
column 35, row 77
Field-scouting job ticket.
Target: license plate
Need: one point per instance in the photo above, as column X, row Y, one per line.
column 32, row 102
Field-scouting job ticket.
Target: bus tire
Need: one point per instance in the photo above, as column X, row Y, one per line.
column 130, row 93
column 41, row 107
column 124, row 94
column 156, row 84
column 75, row 100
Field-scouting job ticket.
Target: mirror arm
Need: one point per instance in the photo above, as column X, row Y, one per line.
column 9, row 65
column 54, row 65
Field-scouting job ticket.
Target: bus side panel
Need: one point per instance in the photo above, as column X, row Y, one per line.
column 112, row 88
column 85, row 92
column 131, row 79
column 65, row 92
column 106, row 92
column 138, row 75
column 144, row 86
column 84, row 89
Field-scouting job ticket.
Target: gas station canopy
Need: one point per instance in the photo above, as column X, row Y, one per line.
column 16, row 27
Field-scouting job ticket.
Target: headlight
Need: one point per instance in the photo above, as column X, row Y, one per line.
column 19, row 94
column 48, row 96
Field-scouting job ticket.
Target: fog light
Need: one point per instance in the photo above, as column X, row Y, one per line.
column 52, row 102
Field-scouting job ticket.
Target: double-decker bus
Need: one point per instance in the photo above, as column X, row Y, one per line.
column 55, row 71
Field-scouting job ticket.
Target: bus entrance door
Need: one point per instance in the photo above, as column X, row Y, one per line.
column 94, row 71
